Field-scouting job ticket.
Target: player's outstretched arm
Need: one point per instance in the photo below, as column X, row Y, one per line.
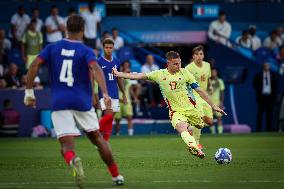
column 135, row 76
column 204, row 95
column 29, row 98
column 97, row 73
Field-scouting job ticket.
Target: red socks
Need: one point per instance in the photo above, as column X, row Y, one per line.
column 106, row 126
column 113, row 169
column 68, row 156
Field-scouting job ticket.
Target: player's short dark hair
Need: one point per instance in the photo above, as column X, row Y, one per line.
column 35, row 9
column 197, row 49
column 222, row 13
column 114, row 29
column 75, row 24
column 172, row 55
column 108, row 41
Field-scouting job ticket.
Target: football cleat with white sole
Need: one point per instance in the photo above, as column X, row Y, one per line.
column 119, row 180
column 196, row 152
column 78, row 172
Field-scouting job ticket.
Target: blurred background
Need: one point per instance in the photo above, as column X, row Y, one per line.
column 243, row 40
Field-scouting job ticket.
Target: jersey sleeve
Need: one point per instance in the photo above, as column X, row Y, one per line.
column 222, row 85
column 154, row 75
column 190, row 79
column 44, row 54
column 90, row 56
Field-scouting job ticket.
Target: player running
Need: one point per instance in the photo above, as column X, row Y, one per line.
column 107, row 62
column 202, row 72
column 174, row 83
column 71, row 66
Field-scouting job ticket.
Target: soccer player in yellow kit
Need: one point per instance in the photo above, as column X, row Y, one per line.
column 175, row 83
column 217, row 96
column 202, row 72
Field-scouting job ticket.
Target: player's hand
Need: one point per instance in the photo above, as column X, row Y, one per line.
column 107, row 101
column 124, row 100
column 217, row 109
column 29, row 99
column 115, row 72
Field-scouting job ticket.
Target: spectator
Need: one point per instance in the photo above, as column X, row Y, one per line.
column 2, row 67
column 265, row 84
column 118, row 41
column 99, row 41
column 71, row 11
column 23, row 82
column 5, row 44
column 281, row 59
column 54, row 26
column 37, row 84
column 10, row 119
column 39, row 22
column 92, row 25
column 272, row 41
column 5, row 47
column 150, row 90
column 12, row 77
column 220, row 30
column 280, row 35
column 19, row 22
column 149, row 65
column 244, row 40
column 3, row 83
column 31, row 43
column 256, row 42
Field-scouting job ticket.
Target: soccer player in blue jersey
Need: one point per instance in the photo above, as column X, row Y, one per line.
column 107, row 63
column 71, row 66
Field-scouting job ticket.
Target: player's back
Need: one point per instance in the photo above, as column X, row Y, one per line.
column 111, row 81
column 68, row 63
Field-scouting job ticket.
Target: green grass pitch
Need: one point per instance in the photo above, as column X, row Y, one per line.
column 148, row 162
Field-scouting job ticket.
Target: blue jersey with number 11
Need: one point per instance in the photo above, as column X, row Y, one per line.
column 68, row 63
column 111, row 81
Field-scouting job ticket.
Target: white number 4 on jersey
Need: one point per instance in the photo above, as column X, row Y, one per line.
column 66, row 74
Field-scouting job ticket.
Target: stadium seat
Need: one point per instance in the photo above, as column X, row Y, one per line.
column 125, row 53
column 135, row 65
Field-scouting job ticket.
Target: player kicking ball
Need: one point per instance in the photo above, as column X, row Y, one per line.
column 174, row 83
column 107, row 62
column 71, row 66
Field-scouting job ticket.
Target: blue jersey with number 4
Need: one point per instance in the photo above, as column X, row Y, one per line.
column 111, row 81
column 68, row 63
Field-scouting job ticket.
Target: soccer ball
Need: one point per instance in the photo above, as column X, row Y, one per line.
column 223, row 156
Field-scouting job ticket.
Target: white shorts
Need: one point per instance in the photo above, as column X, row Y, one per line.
column 114, row 105
column 66, row 122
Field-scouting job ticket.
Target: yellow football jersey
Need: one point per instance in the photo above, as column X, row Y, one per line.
column 176, row 88
column 218, row 86
column 201, row 74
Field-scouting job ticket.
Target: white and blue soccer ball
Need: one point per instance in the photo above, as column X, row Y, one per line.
column 223, row 156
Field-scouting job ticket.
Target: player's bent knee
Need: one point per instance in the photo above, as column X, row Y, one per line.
column 182, row 126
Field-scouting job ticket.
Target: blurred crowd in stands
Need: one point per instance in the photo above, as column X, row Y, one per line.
column 270, row 49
